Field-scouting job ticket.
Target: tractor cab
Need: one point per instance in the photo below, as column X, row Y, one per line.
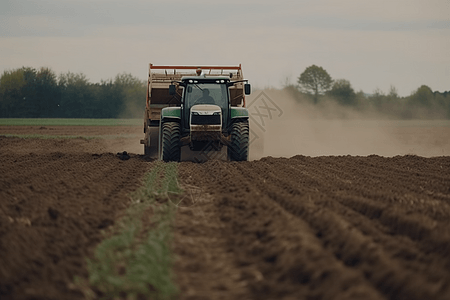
column 205, row 102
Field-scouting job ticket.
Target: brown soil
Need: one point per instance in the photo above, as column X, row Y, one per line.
column 56, row 198
column 342, row 227
column 316, row 228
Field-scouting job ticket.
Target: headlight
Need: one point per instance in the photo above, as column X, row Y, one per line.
column 194, row 113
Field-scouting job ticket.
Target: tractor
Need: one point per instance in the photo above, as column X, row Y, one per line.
column 196, row 107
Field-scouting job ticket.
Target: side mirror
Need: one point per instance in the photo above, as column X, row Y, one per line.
column 172, row 89
column 247, row 88
column 189, row 89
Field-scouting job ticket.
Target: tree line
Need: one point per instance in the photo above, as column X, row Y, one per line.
column 39, row 93
column 316, row 86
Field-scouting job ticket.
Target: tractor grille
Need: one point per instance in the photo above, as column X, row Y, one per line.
column 205, row 119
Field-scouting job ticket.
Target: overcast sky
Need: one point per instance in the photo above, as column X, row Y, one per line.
column 373, row 44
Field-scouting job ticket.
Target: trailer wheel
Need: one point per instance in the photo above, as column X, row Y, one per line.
column 151, row 142
column 238, row 147
column 146, row 142
column 171, row 134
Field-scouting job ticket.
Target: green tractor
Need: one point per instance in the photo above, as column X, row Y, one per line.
column 196, row 111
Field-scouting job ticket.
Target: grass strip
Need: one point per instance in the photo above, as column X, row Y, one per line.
column 68, row 122
column 47, row 137
column 134, row 262
column 86, row 137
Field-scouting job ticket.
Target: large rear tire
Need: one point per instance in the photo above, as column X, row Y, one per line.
column 171, row 134
column 238, row 147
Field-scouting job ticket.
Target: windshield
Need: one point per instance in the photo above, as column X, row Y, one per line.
column 206, row 93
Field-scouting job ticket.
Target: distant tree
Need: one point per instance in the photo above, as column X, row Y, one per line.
column 47, row 95
column 427, row 104
column 11, row 87
column 29, row 102
column 423, row 97
column 343, row 92
column 134, row 89
column 28, row 93
column 109, row 99
column 315, row 81
column 76, row 95
column 393, row 93
column 377, row 99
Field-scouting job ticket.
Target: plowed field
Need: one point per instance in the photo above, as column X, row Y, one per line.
column 56, row 197
column 333, row 227
column 329, row 227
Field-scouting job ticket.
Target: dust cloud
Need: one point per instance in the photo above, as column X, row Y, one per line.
column 129, row 140
column 128, row 144
column 283, row 127
column 121, row 138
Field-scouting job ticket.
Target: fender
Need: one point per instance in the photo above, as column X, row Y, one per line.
column 171, row 113
column 239, row 113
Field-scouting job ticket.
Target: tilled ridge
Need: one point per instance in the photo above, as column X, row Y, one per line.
column 54, row 207
column 318, row 228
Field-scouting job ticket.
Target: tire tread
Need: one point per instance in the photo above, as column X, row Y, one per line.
column 171, row 134
column 239, row 144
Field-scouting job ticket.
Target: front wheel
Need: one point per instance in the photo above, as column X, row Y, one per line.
column 238, row 146
column 171, row 134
